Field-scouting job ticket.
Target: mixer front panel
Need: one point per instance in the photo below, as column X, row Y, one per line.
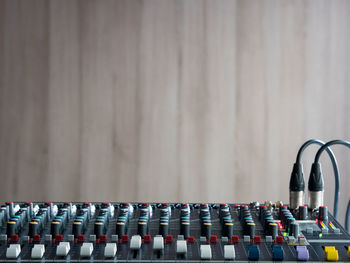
column 137, row 232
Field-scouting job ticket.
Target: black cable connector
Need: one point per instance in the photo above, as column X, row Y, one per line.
column 316, row 182
column 296, row 197
column 297, row 182
column 296, row 186
column 316, row 186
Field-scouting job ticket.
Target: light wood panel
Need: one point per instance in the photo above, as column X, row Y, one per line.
column 169, row 100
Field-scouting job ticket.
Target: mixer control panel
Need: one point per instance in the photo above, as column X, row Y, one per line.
column 168, row 232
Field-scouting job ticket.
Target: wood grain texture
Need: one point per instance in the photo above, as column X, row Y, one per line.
column 169, row 100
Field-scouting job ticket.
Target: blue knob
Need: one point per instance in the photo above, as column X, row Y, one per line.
column 253, row 252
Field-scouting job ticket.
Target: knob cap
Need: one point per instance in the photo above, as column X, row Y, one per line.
column 273, row 229
column 323, row 213
column 303, row 212
column 294, row 229
column 206, row 229
column 185, row 229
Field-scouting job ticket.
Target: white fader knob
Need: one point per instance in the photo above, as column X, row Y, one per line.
column 13, row 251
column 135, row 242
column 86, row 250
column 38, row 251
column 62, row 249
column 158, row 243
column 229, row 252
column 205, row 252
column 110, row 250
column 181, row 247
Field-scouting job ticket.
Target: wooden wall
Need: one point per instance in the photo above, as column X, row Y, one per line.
column 169, row 100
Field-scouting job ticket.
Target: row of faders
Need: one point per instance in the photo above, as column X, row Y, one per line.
column 159, row 232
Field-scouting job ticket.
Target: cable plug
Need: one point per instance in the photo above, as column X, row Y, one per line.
column 296, row 186
column 316, row 186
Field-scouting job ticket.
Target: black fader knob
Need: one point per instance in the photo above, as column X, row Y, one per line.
column 294, row 229
column 273, row 229
column 303, row 212
column 99, row 229
column 121, row 229
column 250, row 228
column 142, row 228
column 33, row 228
column 206, row 229
column 323, row 213
column 77, row 228
column 163, row 228
column 227, row 228
column 185, row 229
column 55, row 228
column 11, row 228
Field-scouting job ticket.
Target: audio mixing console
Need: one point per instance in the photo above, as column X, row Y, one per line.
column 162, row 232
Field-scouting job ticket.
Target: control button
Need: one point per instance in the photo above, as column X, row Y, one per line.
column 268, row 239
column 180, row 237
column 302, row 240
column 202, row 239
column 92, row 238
column 110, row 250
column 224, row 239
column 235, row 239
column 114, row 238
column 257, row 239
column 103, row 238
column 229, row 252
column 86, row 250
column 125, row 238
column 291, row 239
column 181, row 247
column 253, row 252
column 349, row 251
column 168, row 238
column 63, row 249
column 277, row 253
column 13, row 251
column 302, row 253
column 135, row 242
column 158, row 243
column 331, row 254
column 38, row 251
column 205, row 252
column 246, row 238
column 279, row 239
